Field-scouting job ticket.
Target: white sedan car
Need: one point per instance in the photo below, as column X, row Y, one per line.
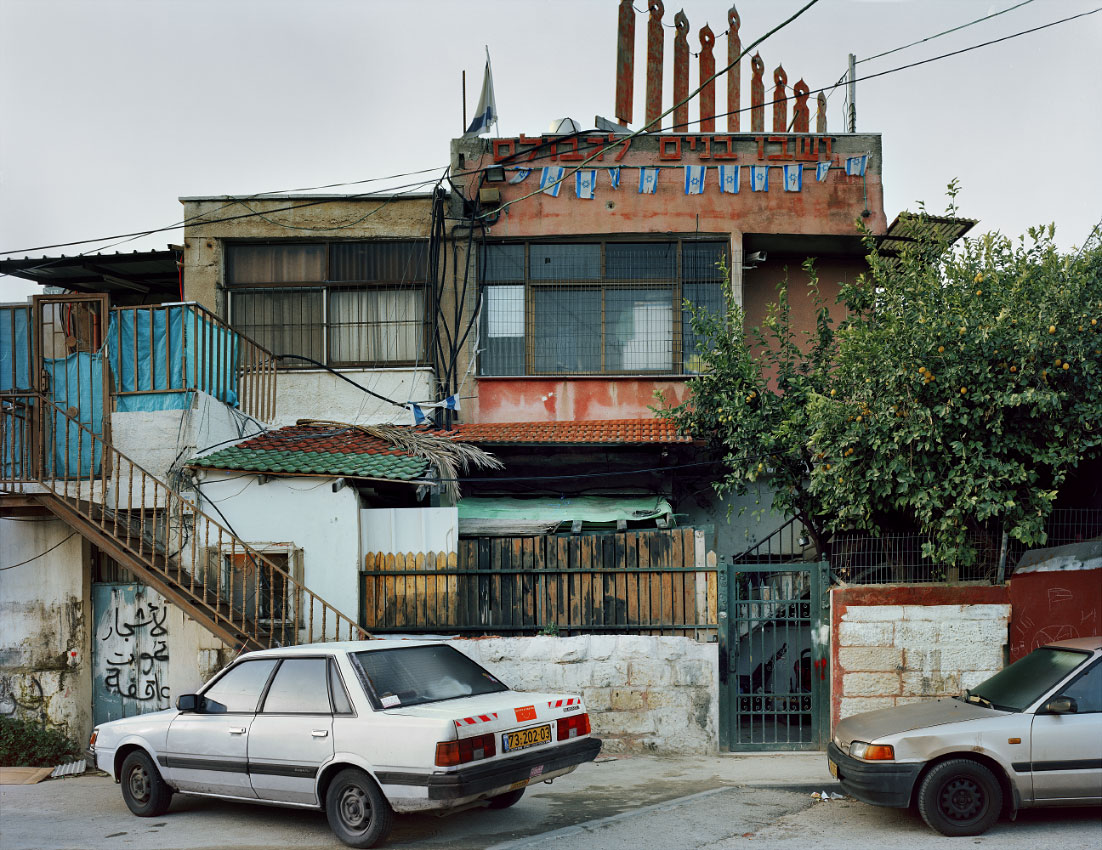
column 362, row 729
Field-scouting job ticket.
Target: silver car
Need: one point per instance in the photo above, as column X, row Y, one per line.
column 1031, row 735
column 360, row 729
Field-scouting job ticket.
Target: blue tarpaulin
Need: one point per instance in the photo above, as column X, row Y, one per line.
column 76, row 382
column 168, row 342
column 15, row 348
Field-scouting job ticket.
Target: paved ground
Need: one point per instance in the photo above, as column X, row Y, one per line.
column 700, row 803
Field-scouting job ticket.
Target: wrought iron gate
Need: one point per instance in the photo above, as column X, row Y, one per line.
column 773, row 654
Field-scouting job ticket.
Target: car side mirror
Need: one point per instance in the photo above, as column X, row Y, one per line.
column 1061, row 705
column 188, row 702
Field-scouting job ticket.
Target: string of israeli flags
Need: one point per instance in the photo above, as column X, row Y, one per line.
column 585, row 180
column 418, row 409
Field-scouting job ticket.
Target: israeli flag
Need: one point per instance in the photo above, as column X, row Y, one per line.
column 855, row 165
column 585, row 182
column 551, row 180
column 648, row 181
column 793, row 178
column 486, row 114
column 822, row 169
column 418, row 410
column 614, row 177
column 694, row 179
column 521, row 175
column 728, row 179
column 759, row 178
column 419, row 417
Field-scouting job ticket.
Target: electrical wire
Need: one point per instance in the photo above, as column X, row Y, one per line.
column 945, row 32
column 40, row 554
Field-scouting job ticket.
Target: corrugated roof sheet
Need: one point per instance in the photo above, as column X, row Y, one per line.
column 608, row 432
column 317, row 450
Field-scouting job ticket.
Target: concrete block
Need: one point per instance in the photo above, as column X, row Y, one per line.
column 878, row 659
column 970, row 678
column 644, row 671
column 866, row 634
column 974, row 632
column 571, row 650
column 931, row 684
column 597, row 699
column 857, row 705
column 954, row 658
column 871, row 684
column 602, row 647
column 639, row 722
column 918, row 633
column 873, row 614
column 694, row 673
column 986, row 612
column 627, row 699
column 932, row 612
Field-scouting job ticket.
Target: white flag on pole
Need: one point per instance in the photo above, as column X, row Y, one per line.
column 486, row 115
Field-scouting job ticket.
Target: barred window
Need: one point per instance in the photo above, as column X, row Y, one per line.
column 357, row 303
column 586, row 308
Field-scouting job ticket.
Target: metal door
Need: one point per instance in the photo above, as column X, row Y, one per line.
column 774, row 654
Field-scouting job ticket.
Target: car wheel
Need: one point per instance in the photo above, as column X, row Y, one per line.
column 146, row 794
column 359, row 814
column 509, row 798
column 960, row 797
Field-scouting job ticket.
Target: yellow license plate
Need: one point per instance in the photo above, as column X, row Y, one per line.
column 522, row 738
column 833, row 768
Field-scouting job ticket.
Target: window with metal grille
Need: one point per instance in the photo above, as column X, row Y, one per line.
column 595, row 307
column 339, row 303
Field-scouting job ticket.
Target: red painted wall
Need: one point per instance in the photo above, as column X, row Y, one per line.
column 1055, row 605
column 572, row 399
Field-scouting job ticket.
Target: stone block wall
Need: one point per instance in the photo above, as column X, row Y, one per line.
column 643, row 693
column 894, row 644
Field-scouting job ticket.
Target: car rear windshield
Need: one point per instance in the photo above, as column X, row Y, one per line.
column 1018, row 686
column 419, row 674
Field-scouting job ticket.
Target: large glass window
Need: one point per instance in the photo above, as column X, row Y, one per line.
column 299, row 687
column 239, row 689
column 402, row 677
column 585, row 308
column 357, row 303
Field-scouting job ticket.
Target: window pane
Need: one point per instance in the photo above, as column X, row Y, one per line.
column 709, row 296
column 424, row 674
column 239, row 690
column 246, row 264
column 638, row 330
column 341, row 703
column 502, row 263
column 377, row 325
column 1087, row 690
column 700, row 261
column 299, row 687
column 564, row 262
column 388, row 262
column 641, row 261
column 567, row 330
column 284, row 321
column 1027, row 679
column 503, row 330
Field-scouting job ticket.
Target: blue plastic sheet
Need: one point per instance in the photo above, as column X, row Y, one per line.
column 170, row 342
column 76, row 381
column 15, row 348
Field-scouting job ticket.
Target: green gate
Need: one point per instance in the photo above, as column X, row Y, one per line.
column 774, row 657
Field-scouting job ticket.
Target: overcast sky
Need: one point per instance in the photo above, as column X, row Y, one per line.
column 113, row 109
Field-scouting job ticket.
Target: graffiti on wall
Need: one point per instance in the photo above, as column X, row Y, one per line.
column 130, row 654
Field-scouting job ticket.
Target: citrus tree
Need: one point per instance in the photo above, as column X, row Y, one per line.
column 751, row 401
column 967, row 385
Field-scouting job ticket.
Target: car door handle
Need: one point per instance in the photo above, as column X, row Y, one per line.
column 320, row 733
column 237, row 730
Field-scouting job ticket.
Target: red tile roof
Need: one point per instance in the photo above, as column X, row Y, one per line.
column 614, row 432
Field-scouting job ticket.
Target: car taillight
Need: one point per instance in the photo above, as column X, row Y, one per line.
column 92, row 740
column 573, row 727
column 451, row 753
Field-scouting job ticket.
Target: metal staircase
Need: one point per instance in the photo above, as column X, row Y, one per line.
column 47, row 457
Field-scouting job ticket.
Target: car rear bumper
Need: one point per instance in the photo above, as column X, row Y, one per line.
column 478, row 779
column 878, row 783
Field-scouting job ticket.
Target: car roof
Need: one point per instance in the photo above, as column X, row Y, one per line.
column 337, row 647
column 1090, row 644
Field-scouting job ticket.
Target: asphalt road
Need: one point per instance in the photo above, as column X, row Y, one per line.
column 705, row 803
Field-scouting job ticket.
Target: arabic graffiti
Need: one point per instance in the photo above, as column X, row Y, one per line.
column 131, row 652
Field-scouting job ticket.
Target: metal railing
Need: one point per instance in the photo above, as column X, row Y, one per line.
column 183, row 347
column 214, row 576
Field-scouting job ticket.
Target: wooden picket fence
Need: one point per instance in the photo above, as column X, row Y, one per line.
column 642, row 582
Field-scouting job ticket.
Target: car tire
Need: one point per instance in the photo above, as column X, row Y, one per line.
column 146, row 794
column 960, row 797
column 358, row 813
column 509, row 798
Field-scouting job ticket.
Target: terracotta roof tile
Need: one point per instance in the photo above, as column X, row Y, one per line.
column 591, row 432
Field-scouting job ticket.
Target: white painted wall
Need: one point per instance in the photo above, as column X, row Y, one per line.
column 645, row 694
column 397, row 531
column 304, row 512
column 319, row 394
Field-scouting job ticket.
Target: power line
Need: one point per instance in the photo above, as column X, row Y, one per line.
column 944, row 32
column 40, row 554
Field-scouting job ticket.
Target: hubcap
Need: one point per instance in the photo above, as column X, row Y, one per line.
column 139, row 784
column 961, row 799
column 354, row 808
